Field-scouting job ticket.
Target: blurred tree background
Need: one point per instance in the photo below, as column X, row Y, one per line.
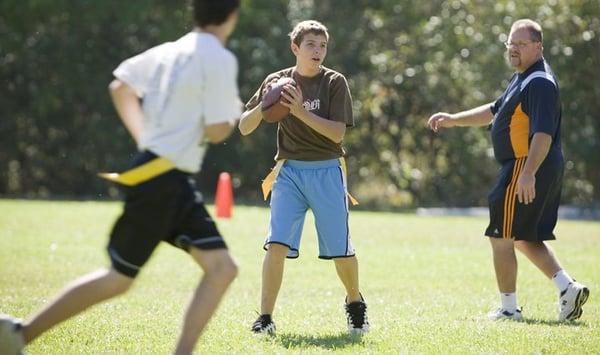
column 404, row 60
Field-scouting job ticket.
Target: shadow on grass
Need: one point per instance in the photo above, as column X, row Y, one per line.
column 330, row 341
column 554, row 322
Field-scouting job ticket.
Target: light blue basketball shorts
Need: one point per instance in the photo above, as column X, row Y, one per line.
column 318, row 185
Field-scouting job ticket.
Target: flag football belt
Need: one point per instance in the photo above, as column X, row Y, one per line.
column 140, row 173
column 267, row 184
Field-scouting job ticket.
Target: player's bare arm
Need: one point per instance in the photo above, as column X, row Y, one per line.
column 478, row 116
column 540, row 145
column 128, row 107
column 333, row 130
column 217, row 133
column 250, row 120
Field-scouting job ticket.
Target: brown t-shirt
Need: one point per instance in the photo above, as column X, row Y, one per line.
column 326, row 95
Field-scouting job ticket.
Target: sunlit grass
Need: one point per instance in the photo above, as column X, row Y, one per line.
column 428, row 282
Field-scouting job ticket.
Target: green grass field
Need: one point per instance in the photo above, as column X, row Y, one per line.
column 428, row 282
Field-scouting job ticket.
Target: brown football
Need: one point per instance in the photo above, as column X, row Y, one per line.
column 272, row 109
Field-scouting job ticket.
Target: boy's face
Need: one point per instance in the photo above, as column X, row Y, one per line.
column 312, row 50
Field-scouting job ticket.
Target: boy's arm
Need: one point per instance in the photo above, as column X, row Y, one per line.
column 333, row 130
column 250, row 120
column 252, row 117
column 216, row 133
column 129, row 109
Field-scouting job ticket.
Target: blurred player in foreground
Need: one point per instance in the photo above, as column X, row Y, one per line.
column 189, row 94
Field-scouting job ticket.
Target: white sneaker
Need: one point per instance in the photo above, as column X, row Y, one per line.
column 571, row 300
column 11, row 338
column 503, row 314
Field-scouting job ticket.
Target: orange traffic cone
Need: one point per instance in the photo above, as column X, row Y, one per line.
column 224, row 196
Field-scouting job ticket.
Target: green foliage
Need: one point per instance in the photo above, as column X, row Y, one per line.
column 57, row 118
column 404, row 61
column 428, row 286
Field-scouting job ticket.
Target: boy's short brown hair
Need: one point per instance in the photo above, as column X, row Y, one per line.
column 304, row 27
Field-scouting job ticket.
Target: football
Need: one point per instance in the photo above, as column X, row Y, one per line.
column 272, row 109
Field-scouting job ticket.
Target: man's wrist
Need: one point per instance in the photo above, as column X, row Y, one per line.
column 455, row 119
column 527, row 171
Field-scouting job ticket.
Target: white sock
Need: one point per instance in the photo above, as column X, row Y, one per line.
column 509, row 301
column 562, row 280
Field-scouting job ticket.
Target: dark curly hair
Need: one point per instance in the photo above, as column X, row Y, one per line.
column 213, row 12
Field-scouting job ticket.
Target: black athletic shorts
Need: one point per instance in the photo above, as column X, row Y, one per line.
column 167, row 208
column 532, row 222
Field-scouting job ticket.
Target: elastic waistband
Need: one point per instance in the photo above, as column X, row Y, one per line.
column 141, row 158
column 314, row 164
column 147, row 156
column 145, row 166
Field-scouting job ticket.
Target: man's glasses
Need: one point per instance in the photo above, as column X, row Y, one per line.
column 520, row 44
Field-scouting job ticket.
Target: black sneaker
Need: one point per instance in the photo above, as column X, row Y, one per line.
column 263, row 325
column 356, row 315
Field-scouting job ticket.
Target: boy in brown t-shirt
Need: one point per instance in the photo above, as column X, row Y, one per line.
column 310, row 172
